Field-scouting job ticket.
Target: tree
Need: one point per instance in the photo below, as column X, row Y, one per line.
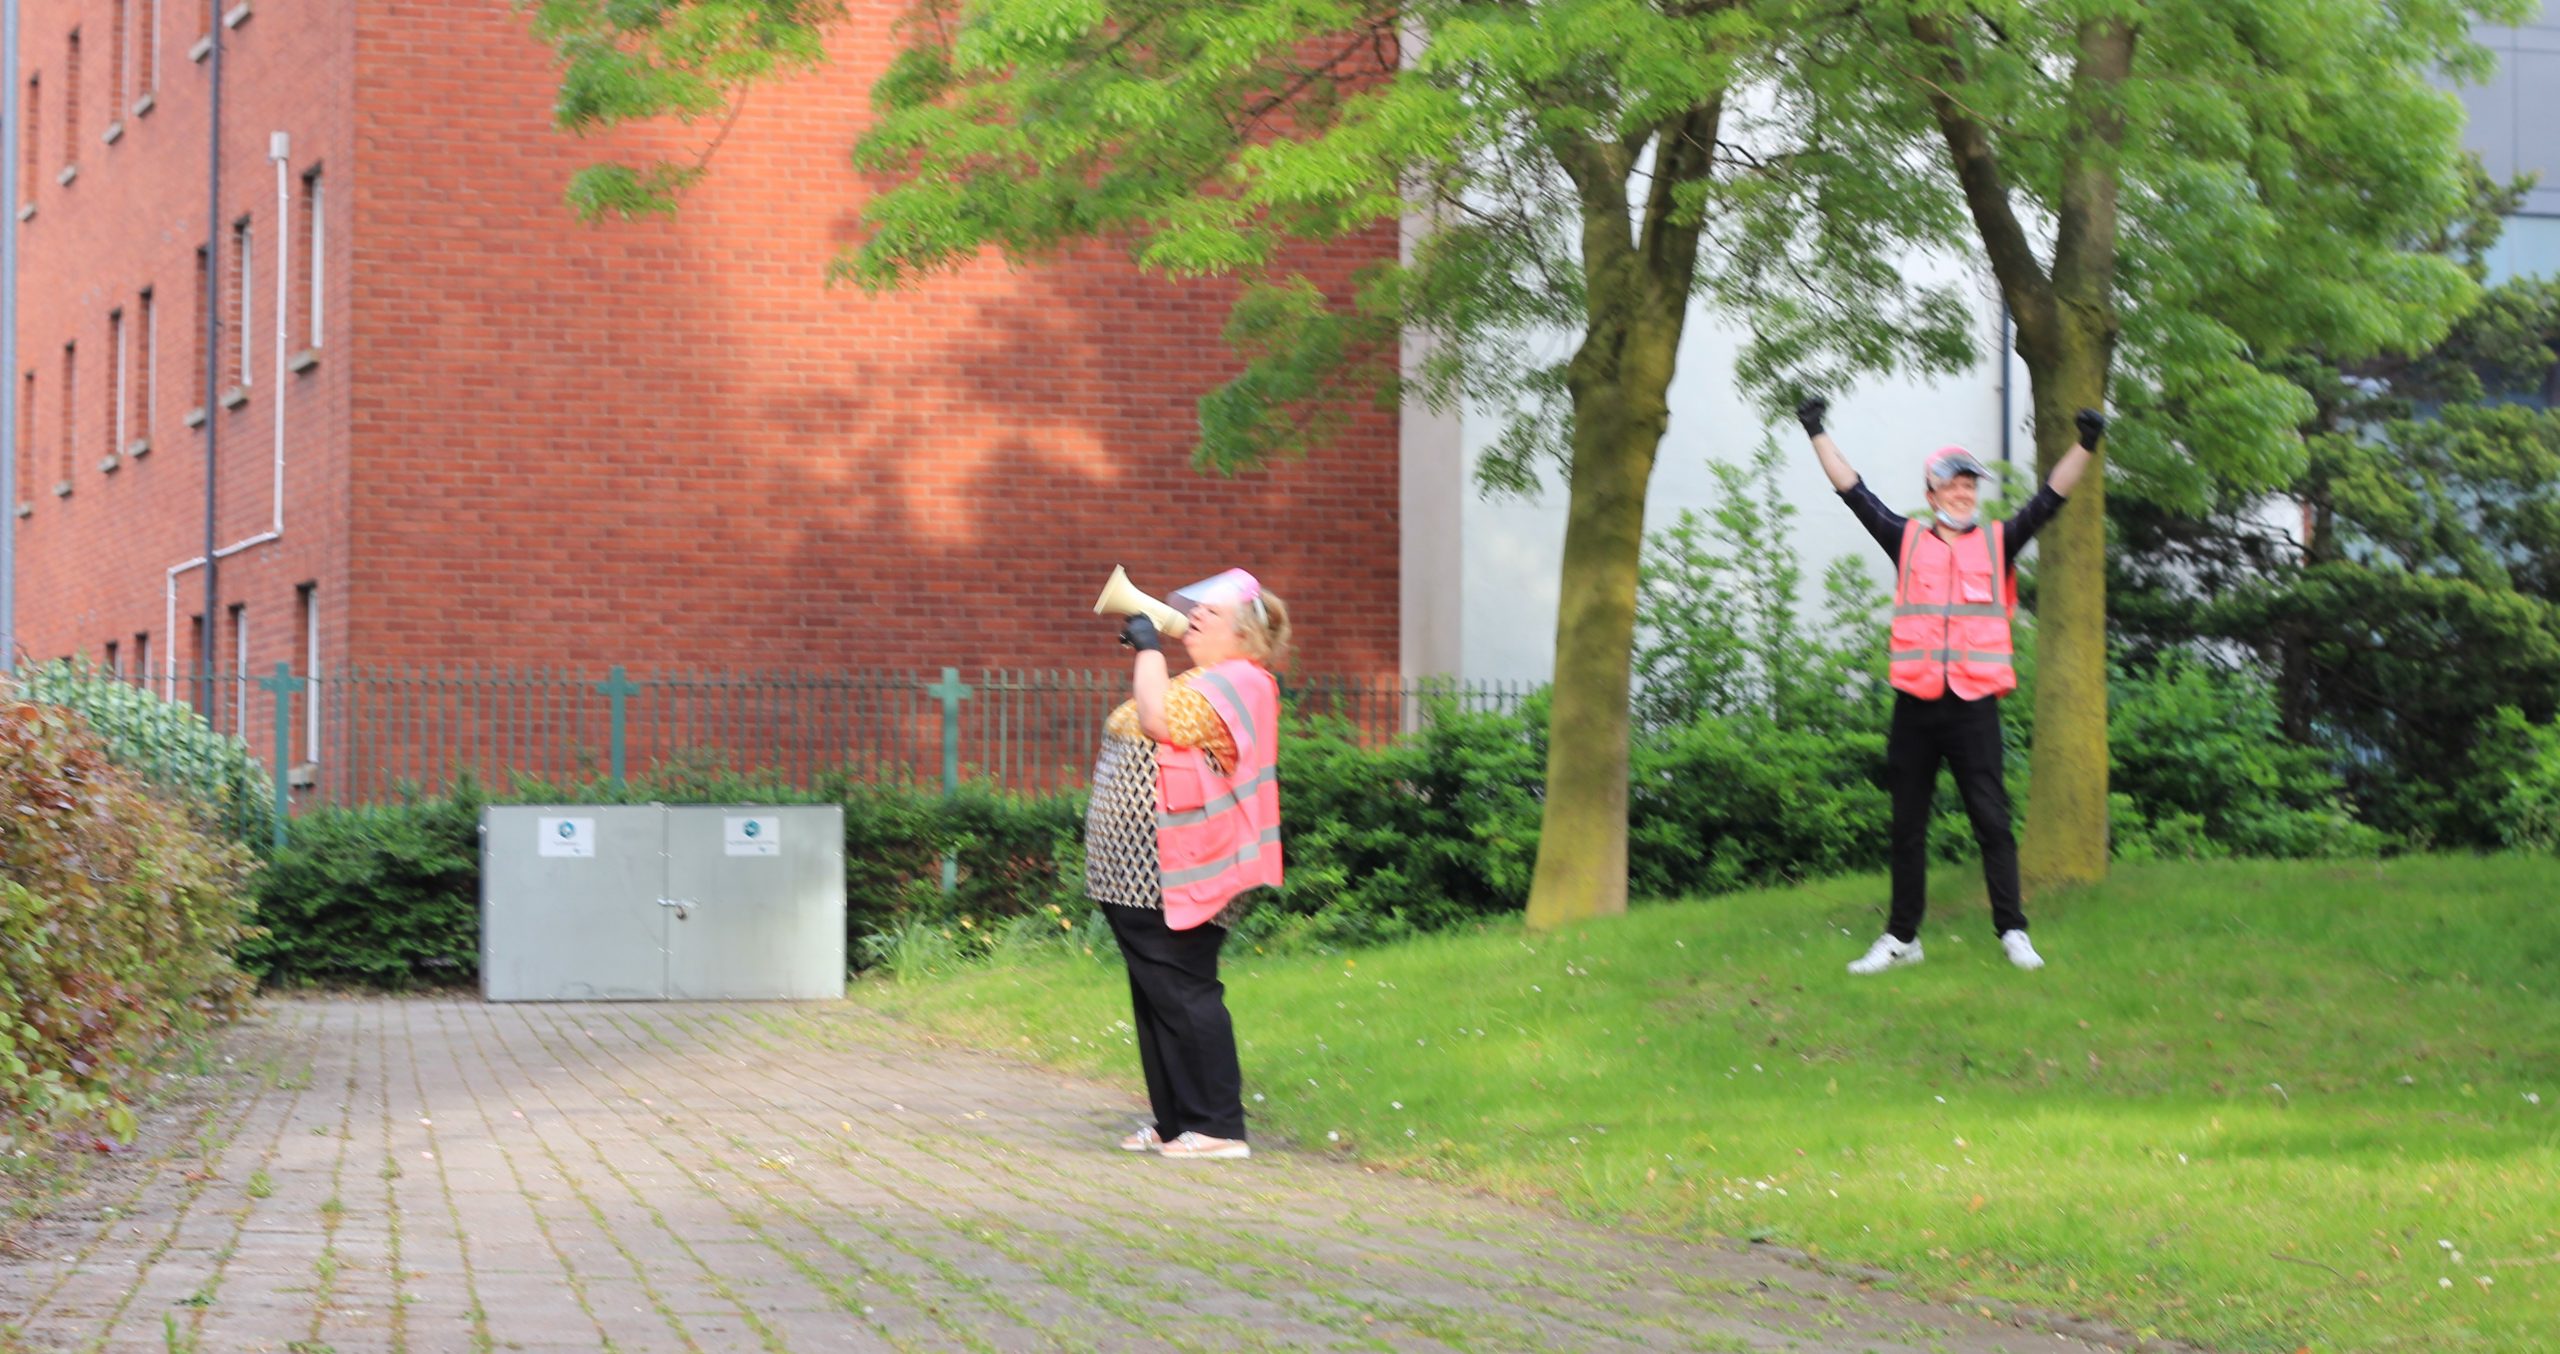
column 2412, row 590
column 2165, row 190
column 1573, row 167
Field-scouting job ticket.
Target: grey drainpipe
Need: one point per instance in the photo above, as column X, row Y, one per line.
column 213, row 277
column 9, row 449
column 2006, row 420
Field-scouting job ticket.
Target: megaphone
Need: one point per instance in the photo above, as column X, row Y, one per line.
column 1120, row 597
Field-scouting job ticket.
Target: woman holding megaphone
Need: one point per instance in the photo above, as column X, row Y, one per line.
column 1185, row 818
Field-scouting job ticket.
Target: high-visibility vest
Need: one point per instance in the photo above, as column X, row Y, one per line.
column 1952, row 603
column 1218, row 833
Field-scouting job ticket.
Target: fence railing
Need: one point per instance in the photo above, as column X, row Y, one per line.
column 364, row 735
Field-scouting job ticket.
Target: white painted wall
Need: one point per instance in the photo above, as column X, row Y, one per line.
column 1479, row 585
column 1495, row 618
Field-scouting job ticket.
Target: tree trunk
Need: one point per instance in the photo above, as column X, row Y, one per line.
column 1582, row 835
column 1637, row 298
column 2065, row 840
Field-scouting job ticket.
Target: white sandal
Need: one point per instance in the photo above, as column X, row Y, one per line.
column 1202, row 1147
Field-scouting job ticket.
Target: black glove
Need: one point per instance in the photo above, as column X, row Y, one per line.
column 1810, row 414
column 2092, row 426
column 1139, row 633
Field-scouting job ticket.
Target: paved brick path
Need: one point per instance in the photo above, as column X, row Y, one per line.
column 446, row 1175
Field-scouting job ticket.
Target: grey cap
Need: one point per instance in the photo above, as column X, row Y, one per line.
column 1950, row 462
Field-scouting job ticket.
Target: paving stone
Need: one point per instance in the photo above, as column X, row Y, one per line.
column 441, row 1172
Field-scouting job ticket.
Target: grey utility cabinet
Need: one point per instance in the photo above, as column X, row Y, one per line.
column 661, row 902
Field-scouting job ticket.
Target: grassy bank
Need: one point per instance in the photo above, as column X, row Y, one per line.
column 2258, row 1106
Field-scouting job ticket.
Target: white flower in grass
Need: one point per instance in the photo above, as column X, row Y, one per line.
column 1398, row 1104
column 1333, row 1136
column 2444, row 1283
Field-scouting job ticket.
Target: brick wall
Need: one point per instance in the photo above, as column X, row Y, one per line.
column 93, row 563
column 667, row 443
column 525, row 441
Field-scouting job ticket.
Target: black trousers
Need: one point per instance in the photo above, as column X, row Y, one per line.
column 1965, row 735
column 1186, row 1040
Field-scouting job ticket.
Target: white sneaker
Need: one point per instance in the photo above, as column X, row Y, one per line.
column 1202, row 1147
column 2022, row 952
column 1886, row 953
column 1144, row 1140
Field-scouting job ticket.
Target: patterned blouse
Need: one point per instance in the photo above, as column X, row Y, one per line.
column 1120, row 866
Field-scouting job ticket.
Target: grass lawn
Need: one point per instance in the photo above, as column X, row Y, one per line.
column 2258, row 1106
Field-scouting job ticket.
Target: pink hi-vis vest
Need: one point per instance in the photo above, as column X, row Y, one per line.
column 1219, row 834
column 1952, row 601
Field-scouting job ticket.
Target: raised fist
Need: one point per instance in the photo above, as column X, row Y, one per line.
column 2092, row 426
column 1810, row 413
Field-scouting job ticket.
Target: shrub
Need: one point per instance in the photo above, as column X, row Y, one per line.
column 168, row 744
column 1412, row 835
column 383, row 896
column 1726, row 803
column 2520, row 763
column 118, row 918
column 2201, row 768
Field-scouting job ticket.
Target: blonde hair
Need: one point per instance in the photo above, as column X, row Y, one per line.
column 1264, row 631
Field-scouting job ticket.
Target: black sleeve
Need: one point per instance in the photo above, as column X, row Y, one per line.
column 1881, row 522
column 2031, row 519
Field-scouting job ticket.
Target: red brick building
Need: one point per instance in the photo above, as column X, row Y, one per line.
column 506, row 438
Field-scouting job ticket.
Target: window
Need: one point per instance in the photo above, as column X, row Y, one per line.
column 115, row 661
column 119, row 394
column 200, row 698
column 203, row 324
column 26, row 466
column 307, row 602
column 70, row 407
column 71, row 103
column 142, row 657
column 314, row 229
column 32, row 137
column 239, row 668
column 147, row 338
column 244, row 286
column 119, row 70
column 150, row 63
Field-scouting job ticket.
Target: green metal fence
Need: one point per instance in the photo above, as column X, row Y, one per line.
column 384, row 732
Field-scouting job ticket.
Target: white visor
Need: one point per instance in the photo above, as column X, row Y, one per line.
column 1234, row 588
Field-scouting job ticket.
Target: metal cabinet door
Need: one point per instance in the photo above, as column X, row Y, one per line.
column 762, row 894
column 572, row 927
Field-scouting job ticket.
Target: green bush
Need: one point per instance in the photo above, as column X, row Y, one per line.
column 1411, row 835
column 385, row 896
column 2201, row 768
column 1725, row 803
column 168, row 744
column 118, row 918
column 2520, row 762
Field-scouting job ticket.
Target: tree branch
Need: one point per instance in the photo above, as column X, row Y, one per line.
column 2022, row 278
column 2084, row 249
column 1683, row 153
